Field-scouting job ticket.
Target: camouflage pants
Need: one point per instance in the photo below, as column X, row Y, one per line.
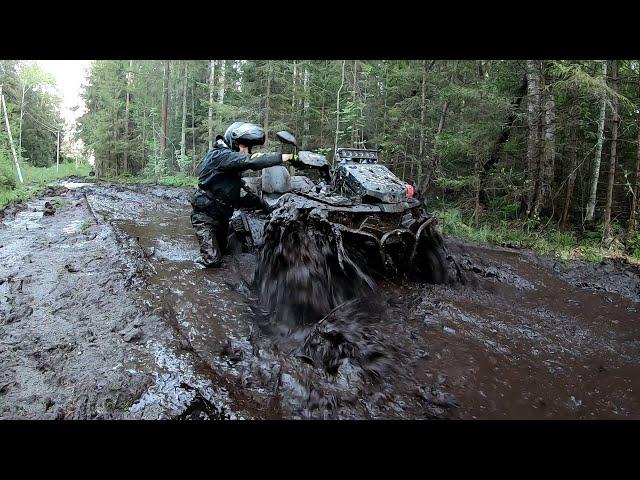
column 210, row 221
column 212, row 232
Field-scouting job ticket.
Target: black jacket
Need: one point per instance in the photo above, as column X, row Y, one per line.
column 221, row 168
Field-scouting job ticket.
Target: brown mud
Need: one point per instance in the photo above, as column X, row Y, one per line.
column 105, row 314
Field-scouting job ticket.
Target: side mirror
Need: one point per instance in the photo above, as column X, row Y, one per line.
column 287, row 138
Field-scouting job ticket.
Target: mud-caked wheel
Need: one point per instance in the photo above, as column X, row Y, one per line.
column 430, row 261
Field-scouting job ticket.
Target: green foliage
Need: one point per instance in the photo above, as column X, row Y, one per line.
column 456, row 184
column 178, row 180
column 26, row 88
column 37, row 178
column 184, row 163
column 7, row 177
column 551, row 242
column 633, row 245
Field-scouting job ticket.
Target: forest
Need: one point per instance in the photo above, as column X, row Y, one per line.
column 33, row 112
column 539, row 145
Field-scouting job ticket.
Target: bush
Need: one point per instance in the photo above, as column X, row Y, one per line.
column 7, row 178
column 633, row 245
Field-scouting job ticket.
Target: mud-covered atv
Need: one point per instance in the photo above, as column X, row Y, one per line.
column 383, row 230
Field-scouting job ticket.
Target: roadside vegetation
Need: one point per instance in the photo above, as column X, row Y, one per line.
column 36, row 179
column 548, row 240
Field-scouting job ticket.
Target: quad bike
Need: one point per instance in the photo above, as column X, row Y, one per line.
column 384, row 231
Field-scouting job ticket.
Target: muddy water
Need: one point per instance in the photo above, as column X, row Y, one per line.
column 525, row 343
column 158, row 337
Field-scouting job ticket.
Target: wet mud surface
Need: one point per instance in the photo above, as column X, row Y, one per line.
column 105, row 314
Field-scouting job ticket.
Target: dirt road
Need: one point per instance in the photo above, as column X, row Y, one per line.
column 104, row 314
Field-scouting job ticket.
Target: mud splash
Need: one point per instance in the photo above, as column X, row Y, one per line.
column 303, row 270
column 315, row 299
column 321, row 308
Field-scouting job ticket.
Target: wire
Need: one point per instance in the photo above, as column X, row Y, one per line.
column 48, row 127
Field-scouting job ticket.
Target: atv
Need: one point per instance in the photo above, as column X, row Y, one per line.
column 381, row 227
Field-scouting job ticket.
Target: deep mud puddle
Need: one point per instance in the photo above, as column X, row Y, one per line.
column 113, row 272
column 526, row 342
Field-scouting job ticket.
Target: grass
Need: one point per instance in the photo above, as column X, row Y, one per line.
column 37, row 178
column 549, row 242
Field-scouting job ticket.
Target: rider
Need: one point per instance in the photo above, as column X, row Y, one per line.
column 219, row 185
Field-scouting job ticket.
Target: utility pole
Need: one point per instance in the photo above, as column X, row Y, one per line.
column 24, row 90
column 58, row 153
column 13, row 150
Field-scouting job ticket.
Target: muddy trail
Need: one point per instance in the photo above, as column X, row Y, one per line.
column 105, row 314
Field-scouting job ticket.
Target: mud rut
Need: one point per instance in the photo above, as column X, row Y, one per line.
column 105, row 315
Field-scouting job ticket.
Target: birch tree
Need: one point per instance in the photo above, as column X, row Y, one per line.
column 221, row 82
column 591, row 204
column 533, row 141
column 635, row 201
column 212, row 73
column 126, row 117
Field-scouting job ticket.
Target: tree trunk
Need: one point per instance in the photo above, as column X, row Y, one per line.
column 573, row 163
column 183, row 136
column 212, row 72
column 363, row 108
column 293, row 92
column 305, row 108
column 338, row 111
column 24, row 89
column 591, row 204
column 267, row 100
column 156, row 147
column 404, row 162
column 548, row 167
column 505, row 133
column 614, row 143
column 144, row 138
column 533, row 142
column 165, row 106
column 221, row 81
column 540, row 192
column 193, row 125
column 423, row 116
column 115, row 142
column 125, row 166
column 8, row 127
column 240, row 76
column 476, row 183
column 384, row 112
column 635, row 202
column 354, row 127
column 322, row 121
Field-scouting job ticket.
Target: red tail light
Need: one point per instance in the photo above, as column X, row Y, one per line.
column 410, row 190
